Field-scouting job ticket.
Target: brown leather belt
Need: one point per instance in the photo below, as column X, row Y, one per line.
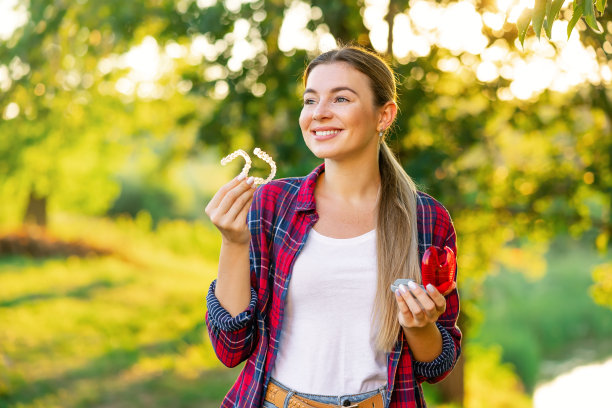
column 276, row 395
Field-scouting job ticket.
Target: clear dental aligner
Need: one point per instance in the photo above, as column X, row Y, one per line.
column 239, row 152
column 247, row 166
column 268, row 159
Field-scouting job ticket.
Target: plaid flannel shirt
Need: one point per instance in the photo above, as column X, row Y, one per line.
column 280, row 217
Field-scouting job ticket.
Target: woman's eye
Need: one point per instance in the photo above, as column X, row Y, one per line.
column 308, row 101
column 341, row 99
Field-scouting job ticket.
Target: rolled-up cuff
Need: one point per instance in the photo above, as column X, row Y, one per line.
column 221, row 318
column 443, row 363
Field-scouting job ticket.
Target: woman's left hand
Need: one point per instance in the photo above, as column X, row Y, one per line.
column 418, row 307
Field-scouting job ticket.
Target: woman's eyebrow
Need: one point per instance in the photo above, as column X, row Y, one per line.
column 334, row 90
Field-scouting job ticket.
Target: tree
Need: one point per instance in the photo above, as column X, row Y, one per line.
column 59, row 99
column 515, row 171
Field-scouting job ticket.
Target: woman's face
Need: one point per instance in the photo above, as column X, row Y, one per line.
column 339, row 119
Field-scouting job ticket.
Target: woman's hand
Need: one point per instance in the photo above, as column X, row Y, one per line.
column 419, row 308
column 228, row 210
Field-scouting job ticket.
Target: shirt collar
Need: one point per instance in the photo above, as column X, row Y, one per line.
column 306, row 198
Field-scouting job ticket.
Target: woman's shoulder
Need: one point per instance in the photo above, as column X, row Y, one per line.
column 429, row 207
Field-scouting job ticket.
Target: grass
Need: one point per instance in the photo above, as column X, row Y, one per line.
column 545, row 323
column 112, row 331
column 127, row 330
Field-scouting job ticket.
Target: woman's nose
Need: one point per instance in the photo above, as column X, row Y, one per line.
column 321, row 111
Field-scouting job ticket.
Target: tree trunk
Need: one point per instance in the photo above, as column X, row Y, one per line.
column 452, row 387
column 36, row 212
column 390, row 18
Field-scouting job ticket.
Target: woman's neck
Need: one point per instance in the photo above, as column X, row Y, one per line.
column 351, row 182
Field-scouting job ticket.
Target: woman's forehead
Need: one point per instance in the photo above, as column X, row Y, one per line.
column 328, row 76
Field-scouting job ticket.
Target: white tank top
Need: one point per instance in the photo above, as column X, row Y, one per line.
column 327, row 341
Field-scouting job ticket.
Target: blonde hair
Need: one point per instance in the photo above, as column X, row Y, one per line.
column 397, row 241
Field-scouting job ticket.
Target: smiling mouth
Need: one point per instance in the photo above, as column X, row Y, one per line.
column 326, row 132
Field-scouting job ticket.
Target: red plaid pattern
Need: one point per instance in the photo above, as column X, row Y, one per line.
column 281, row 215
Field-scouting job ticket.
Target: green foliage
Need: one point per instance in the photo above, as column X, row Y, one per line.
column 123, row 330
column 513, row 172
column 552, row 12
column 578, row 9
column 136, row 197
column 538, row 15
column 489, row 382
column 522, row 24
column 542, row 319
column 602, row 289
column 550, row 8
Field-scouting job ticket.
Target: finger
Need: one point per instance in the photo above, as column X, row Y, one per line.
column 231, row 196
column 238, row 206
column 401, row 303
column 415, row 308
column 241, row 218
column 428, row 306
column 220, row 194
column 405, row 315
column 437, row 297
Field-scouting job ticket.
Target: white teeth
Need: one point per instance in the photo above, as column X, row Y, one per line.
column 326, row 132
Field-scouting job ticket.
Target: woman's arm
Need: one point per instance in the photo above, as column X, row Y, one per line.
column 228, row 212
column 419, row 312
column 433, row 338
column 231, row 300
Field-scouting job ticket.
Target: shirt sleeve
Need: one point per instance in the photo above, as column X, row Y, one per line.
column 234, row 338
column 436, row 370
column 221, row 319
column 442, row 364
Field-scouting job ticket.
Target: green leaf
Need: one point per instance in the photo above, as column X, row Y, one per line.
column 601, row 5
column 589, row 15
column 522, row 24
column 551, row 15
column 538, row 15
column 577, row 13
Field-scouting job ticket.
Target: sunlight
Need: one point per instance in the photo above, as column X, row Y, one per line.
column 11, row 111
column 458, row 27
column 592, row 380
column 294, row 34
column 374, row 20
column 13, row 14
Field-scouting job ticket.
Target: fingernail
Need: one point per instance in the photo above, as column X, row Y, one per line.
column 241, row 176
column 430, row 288
column 402, row 288
column 250, row 180
column 412, row 285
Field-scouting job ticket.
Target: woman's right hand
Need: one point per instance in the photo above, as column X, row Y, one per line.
column 228, row 210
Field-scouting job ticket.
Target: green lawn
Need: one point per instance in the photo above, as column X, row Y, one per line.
column 127, row 330
column 115, row 331
column 549, row 324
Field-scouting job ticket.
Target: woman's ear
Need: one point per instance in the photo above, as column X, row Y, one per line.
column 387, row 115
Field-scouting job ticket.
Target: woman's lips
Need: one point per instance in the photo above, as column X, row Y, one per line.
column 325, row 135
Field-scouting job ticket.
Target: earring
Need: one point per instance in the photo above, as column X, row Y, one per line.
column 380, row 134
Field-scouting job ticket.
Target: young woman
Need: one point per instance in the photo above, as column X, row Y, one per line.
column 306, row 263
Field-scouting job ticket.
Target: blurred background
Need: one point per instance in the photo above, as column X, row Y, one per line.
column 114, row 116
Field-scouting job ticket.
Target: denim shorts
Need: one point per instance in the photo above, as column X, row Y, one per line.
column 326, row 399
